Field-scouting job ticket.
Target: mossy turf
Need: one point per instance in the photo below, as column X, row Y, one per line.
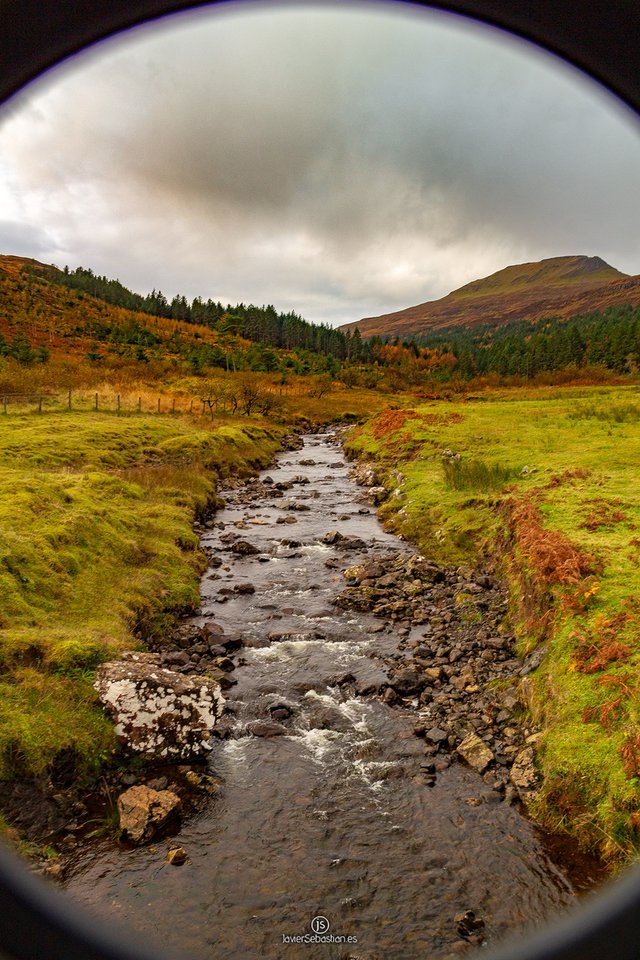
column 97, row 554
column 546, row 485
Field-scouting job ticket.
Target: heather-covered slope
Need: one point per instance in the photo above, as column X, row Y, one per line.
column 561, row 286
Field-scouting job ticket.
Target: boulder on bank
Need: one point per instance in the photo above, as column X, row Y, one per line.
column 376, row 495
column 476, row 753
column 158, row 712
column 523, row 772
column 143, row 812
column 364, row 475
column 408, row 681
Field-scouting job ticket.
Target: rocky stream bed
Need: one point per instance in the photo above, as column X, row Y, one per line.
column 368, row 762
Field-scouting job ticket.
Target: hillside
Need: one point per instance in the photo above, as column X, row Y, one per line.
column 78, row 316
column 68, row 322
column 561, row 286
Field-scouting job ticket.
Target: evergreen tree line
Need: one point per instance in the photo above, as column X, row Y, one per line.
column 610, row 339
column 132, row 338
column 288, row 331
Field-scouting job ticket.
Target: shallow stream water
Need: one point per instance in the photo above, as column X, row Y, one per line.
column 334, row 819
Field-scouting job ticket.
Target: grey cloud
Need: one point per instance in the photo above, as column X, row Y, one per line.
column 350, row 161
column 24, row 239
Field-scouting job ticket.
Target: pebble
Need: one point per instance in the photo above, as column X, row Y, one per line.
column 177, row 856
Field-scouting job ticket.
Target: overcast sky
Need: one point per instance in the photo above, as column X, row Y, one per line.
column 340, row 161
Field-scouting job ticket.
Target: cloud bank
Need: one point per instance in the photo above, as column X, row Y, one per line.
column 341, row 162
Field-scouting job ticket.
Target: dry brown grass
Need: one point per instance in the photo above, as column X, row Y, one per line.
column 603, row 513
column 569, row 476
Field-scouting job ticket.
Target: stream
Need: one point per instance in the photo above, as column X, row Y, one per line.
column 328, row 806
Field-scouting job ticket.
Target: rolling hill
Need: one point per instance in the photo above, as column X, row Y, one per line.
column 561, row 287
column 78, row 316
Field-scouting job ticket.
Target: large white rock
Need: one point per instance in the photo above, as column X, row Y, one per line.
column 158, row 712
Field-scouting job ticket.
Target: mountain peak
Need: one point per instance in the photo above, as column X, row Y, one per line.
column 553, row 271
column 558, row 286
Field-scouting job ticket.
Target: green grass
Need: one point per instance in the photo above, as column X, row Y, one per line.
column 477, row 475
column 615, row 412
column 547, row 487
column 97, row 553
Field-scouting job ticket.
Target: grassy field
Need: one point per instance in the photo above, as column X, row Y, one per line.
column 545, row 485
column 97, row 553
column 97, row 549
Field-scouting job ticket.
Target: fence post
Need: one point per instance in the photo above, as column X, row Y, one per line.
column 69, row 400
column 40, row 404
column 118, row 401
column 191, row 406
column 96, row 401
column 173, row 406
column 139, row 404
column 158, row 404
column 4, row 404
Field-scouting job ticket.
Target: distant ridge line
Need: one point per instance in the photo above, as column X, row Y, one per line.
column 556, row 286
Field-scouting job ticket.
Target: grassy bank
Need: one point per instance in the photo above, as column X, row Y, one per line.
column 546, row 485
column 97, row 553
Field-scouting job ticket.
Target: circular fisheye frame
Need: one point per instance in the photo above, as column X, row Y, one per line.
column 600, row 37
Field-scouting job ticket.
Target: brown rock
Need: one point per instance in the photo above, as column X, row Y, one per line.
column 436, row 735
column 243, row 548
column 434, row 674
column 266, row 728
column 224, row 663
column 177, row 856
column 475, row 752
column 408, row 681
column 143, row 812
column 523, row 772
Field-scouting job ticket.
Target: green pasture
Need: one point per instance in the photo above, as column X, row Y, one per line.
column 97, row 554
column 460, row 474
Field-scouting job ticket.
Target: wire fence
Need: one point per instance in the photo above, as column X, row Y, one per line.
column 224, row 401
column 113, row 403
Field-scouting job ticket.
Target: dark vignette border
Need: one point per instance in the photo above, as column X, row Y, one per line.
column 598, row 36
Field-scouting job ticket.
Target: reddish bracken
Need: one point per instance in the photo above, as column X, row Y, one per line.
column 603, row 513
column 605, row 714
column 598, row 647
column 551, row 557
column 630, row 754
column 391, row 421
